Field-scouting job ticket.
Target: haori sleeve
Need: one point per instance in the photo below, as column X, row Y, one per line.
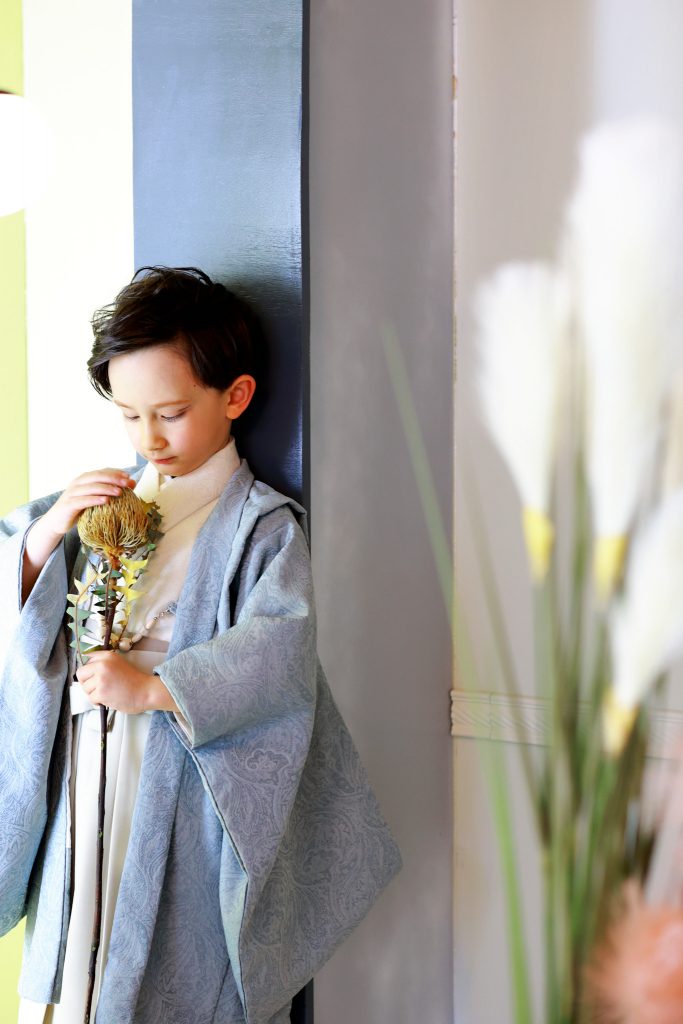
column 14, row 529
column 263, row 668
column 33, row 663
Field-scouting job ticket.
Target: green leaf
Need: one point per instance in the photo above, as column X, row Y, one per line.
column 78, row 614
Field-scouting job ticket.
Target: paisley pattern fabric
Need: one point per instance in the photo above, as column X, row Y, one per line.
column 256, row 843
column 185, row 503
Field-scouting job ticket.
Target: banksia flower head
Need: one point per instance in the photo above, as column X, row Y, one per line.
column 117, row 528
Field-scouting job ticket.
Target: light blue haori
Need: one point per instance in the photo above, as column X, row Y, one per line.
column 256, row 843
column 185, row 502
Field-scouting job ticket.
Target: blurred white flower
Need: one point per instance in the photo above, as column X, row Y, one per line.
column 522, row 313
column 647, row 622
column 625, row 249
column 523, row 316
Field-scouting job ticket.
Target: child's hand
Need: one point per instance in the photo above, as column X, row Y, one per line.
column 47, row 532
column 113, row 681
column 94, row 488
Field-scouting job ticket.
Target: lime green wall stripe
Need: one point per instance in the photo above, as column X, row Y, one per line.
column 13, row 407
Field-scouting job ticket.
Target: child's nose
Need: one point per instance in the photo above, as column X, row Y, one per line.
column 153, row 438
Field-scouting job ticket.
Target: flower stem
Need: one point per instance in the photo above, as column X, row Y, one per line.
column 110, row 602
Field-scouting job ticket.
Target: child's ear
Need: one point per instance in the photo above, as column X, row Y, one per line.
column 239, row 395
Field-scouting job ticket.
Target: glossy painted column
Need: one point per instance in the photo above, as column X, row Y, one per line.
column 218, row 122
column 219, row 142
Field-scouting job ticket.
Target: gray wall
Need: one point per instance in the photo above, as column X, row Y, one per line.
column 381, row 216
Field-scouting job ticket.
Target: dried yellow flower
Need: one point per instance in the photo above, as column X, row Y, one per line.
column 117, row 528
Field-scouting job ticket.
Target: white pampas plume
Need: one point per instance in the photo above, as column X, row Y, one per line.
column 523, row 315
column 646, row 627
column 624, row 242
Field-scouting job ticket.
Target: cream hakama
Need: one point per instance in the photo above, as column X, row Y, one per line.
column 185, row 503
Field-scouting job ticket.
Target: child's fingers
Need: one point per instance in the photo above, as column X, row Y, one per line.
column 93, row 490
column 106, row 476
column 87, row 489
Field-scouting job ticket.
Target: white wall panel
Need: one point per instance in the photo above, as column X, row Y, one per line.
column 79, row 234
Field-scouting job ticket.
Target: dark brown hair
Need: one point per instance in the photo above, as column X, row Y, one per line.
column 216, row 330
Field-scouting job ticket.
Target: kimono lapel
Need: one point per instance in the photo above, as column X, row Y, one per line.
column 180, row 496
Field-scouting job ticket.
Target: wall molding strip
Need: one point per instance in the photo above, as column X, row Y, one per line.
column 494, row 716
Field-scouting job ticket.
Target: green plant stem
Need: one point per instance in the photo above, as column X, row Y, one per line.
column 594, row 789
column 496, row 780
column 514, row 921
column 110, row 603
column 576, row 631
column 500, row 637
column 438, row 536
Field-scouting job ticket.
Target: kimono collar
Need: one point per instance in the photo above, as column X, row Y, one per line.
column 178, row 497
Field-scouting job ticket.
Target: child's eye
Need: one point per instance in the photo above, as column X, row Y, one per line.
column 168, row 419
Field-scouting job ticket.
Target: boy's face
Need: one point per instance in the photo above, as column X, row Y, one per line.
column 172, row 419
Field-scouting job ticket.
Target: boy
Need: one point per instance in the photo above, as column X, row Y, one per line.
column 254, row 843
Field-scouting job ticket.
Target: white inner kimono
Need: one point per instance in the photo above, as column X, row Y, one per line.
column 185, row 503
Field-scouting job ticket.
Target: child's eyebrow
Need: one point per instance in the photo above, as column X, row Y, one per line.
column 159, row 405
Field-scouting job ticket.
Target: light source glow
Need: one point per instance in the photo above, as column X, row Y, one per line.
column 23, row 153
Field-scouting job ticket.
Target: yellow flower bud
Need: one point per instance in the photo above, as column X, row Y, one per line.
column 608, row 564
column 617, row 723
column 539, row 534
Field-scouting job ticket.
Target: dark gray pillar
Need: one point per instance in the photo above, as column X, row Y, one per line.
column 219, row 132
column 220, row 122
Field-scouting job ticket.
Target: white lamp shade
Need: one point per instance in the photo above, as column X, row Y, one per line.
column 23, row 153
